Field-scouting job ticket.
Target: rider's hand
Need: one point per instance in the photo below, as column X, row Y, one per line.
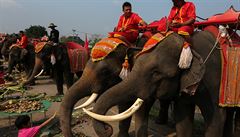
column 176, row 25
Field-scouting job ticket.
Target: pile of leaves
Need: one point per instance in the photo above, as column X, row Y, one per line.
column 21, row 106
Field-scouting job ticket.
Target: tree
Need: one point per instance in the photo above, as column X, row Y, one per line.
column 36, row 31
column 94, row 39
column 76, row 39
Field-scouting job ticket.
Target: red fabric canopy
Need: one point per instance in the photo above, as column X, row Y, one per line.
column 74, row 45
column 230, row 16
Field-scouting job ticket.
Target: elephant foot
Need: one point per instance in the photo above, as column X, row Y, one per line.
column 162, row 120
column 123, row 134
column 59, row 94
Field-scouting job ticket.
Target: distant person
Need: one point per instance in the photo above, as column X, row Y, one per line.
column 23, row 40
column 24, row 126
column 54, row 34
column 128, row 24
column 23, row 43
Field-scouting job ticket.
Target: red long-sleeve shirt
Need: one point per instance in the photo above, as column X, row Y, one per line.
column 23, row 42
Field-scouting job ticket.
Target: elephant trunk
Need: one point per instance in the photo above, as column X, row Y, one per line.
column 11, row 64
column 79, row 90
column 119, row 94
column 38, row 65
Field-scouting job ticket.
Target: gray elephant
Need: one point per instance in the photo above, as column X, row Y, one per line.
column 97, row 77
column 156, row 74
column 18, row 55
column 62, row 68
column 9, row 40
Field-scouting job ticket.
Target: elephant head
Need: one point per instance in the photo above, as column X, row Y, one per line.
column 44, row 55
column 155, row 74
column 24, row 56
column 15, row 57
column 97, row 77
column 6, row 44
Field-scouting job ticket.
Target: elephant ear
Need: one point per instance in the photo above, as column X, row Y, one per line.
column 23, row 53
column 191, row 77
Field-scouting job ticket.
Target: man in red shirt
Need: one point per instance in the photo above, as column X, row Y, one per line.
column 182, row 17
column 128, row 24
column 24, row 40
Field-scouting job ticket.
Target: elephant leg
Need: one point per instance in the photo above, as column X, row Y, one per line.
column 184, row 116
column 68, row 78
column 79, row 74
column 237, row 123
column 59, row 80
column 228, row 126
column 163, row 112
column 215, row 122
column 141, row 118
column 125, row 124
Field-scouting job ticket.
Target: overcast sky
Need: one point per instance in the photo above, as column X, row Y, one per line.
column 92, row 16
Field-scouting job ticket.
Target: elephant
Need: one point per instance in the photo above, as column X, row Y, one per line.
column 61, row 69
column 156, row 74
column 18, row 55
column 10, row 39
column 98, row 77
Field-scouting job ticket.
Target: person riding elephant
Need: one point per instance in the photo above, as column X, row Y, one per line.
column 23, row 42
column 24, row 56
column 9, row 40
column 128, row 25
column 99, row 74
column 54, row 34
column 66, row 63
column 180, row 20
column 2, row 40
column 156, row 74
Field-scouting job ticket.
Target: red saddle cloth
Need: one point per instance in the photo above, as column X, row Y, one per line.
column 78, row 56
column 1, row 78
column 229, row 95
column 153, row 41
column 104, row 47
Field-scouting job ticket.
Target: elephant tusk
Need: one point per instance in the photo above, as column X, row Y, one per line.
column 40, row 73
column 91, row 99
column 117, row 117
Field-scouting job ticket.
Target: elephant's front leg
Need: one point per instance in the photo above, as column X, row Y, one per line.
column 237, row 123
column 68, row 78
column 58, row 75
column 215, row 128
column 124, row 124
column 141, row 118
column 184, row 116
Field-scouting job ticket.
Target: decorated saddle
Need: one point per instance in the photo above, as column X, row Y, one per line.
column 39, row 46
column 78, row 56
column 153, row 41
column 229, row 95
column 104, row 47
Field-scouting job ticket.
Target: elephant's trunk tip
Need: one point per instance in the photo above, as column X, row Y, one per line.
column 106, row 132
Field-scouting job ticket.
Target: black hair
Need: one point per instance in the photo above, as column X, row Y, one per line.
column 126, row 4
column 22, row 121
column 21, row 31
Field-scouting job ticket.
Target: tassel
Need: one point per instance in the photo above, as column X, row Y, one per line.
column 125, row 69
column 185, row 57
column 53, row 59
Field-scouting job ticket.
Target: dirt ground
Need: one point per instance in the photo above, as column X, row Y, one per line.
column 82, row 126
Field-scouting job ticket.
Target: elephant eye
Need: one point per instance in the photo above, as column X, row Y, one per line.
column 156, row 75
